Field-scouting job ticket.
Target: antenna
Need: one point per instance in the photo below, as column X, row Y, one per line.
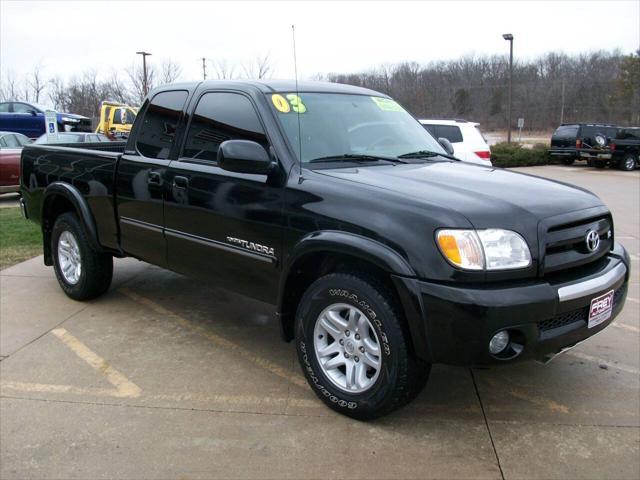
column 295, row 67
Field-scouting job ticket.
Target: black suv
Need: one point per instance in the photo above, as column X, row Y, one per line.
column 583, row 141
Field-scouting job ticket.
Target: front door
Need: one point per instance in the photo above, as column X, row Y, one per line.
column 221, row 226
column 140, row 179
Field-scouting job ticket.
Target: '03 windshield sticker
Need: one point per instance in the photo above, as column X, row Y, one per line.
column 387, row 104
column 287, row 103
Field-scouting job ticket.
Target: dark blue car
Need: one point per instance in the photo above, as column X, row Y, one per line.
column 28, row 119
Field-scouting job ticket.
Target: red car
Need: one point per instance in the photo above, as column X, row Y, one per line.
column 10, row 148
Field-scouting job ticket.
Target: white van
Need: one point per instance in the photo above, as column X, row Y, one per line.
column 468, row 143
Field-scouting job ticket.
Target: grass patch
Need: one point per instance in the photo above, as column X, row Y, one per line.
column 20, row 239
column 514, row 155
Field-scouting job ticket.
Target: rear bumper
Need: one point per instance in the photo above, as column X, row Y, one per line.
column 542, row 317
column 596, row 155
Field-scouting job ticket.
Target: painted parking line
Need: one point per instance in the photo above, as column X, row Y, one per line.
column 217, row 339
column 124, row 388
column 602, row 361
column 634, row 300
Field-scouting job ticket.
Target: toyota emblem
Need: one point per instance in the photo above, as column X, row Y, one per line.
column 592, row 240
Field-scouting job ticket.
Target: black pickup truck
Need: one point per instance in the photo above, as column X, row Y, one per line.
column 382, row 252
column 625, row 148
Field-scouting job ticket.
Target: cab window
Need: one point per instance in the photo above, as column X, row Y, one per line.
column 158, row 128
column 450, row 132
column 218, row 117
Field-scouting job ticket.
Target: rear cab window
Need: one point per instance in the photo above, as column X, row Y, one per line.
column 566, row 131
column 157, row 133
column 221, row 116
column 450, row 132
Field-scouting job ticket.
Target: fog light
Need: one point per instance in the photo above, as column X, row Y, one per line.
column 499, row 342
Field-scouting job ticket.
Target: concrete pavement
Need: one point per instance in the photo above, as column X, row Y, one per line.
column 164, row 377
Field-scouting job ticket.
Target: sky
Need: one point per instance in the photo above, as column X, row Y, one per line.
column 67, row 38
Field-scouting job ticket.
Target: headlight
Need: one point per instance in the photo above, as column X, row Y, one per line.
column 70, row 120
column 490, row 249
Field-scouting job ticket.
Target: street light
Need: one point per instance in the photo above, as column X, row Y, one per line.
column 145, row 85
column 509, row 37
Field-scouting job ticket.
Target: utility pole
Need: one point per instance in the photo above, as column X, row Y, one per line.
column 145, row 82
column 562, row 104
column 204, row 68
column 509, row 37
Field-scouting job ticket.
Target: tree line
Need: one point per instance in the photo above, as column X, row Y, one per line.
column 553, row 88
column 82, row 94
column 547, row 90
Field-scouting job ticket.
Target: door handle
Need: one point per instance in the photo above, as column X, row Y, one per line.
column 180, row 182
column 154, row 178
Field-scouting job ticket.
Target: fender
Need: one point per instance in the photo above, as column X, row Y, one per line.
column 73, row 195
column 383, row 256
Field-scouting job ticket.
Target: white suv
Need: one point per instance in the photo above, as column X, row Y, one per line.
column 468, row 143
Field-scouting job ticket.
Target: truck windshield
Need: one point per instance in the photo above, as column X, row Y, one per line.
column 335, row 124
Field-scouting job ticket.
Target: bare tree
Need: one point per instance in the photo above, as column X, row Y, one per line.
column 170, row 71
column 260, row 67
column 136, row 78
column 223, row 70
column 57, row 93
column 36, row 81
column 9, row 89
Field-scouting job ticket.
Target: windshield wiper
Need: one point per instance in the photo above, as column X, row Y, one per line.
column 427, row 154
column 356, row 157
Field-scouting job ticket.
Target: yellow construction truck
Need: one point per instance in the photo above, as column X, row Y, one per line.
column 116, row 120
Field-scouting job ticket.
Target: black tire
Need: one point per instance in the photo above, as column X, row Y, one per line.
column 628, row 163
column 600, row 165
column 568, row 161
column 401, row 377
column 96, row 268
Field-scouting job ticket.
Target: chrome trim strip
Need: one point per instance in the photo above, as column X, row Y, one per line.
column 594, row 285
column 141, row 224
column 221, row 246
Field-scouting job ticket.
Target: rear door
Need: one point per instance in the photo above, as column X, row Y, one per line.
column 222, row 226
column 140, row 178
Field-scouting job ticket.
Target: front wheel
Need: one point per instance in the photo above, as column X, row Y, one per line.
column 82, row 272
column 353, row 349
column 628, row 163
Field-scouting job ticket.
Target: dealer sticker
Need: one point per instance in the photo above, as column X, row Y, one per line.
column 600, row 309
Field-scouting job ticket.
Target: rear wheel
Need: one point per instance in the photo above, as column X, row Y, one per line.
column 629, row 162
column 82, row 272
column 568, row 161
column 599, row 164
column 353, row 349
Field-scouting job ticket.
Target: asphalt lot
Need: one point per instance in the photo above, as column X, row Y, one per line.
column 165, row 378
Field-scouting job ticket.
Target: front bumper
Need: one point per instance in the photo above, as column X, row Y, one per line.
column 544, row 318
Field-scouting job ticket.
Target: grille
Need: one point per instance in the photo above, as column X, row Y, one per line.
column 579, row 315
column 574, row 316
column 565, row 245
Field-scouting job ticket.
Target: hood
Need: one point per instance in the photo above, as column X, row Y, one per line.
column 487, row 196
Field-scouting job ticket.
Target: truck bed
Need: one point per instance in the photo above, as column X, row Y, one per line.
column 89, row 167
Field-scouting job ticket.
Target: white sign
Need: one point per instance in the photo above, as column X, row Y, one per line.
column 51, row 125
column 520, row 123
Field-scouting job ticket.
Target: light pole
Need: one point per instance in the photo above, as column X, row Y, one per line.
column 204, row 68
column 509, row 37
column 145, row 85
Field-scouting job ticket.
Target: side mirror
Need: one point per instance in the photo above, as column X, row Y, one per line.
column 446, row 144
column 244, row 156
